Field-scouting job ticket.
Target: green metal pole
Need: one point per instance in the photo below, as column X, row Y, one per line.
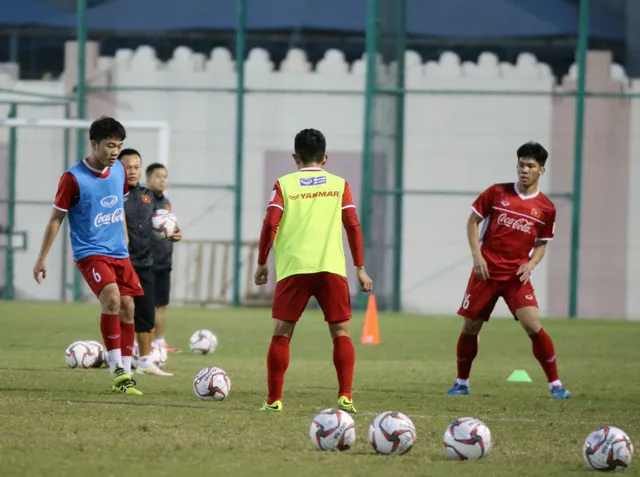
column 401, row 43
column 237, row 234
column 81, row 38
column 583, row 44
column 11, row 208
column 64, row 269
column 369, row 129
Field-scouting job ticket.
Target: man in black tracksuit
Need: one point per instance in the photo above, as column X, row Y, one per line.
column 157, row 181
column 139, row 207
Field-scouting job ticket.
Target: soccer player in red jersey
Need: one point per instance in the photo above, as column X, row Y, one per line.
column 305, row 216
column 519, row 222
column 91, row 195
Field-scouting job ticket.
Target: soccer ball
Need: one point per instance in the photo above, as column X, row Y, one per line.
column 159, row 355
column 392, row 433
column 203, row 342
column 333, row 430
column 163, row 224
column 212, row 384
column 80, row 354
column 99, row 350
column 607, row 449
column 467, row 439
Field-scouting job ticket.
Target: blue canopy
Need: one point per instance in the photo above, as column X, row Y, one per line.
column 28, row 12
column 442, row 18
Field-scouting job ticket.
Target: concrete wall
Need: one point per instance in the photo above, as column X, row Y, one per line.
column 462, row 143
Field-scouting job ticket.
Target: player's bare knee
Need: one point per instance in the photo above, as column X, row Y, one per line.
column 529, row 319
column 283, row 328
column 339, row 329
column 110, row 299
column 126, row 309
column 472, row 327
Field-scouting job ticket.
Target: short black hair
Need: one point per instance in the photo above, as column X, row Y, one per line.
column 152, row 167
column 106, row 128
column 310, row 145
column 129, row 152
column 534, row 150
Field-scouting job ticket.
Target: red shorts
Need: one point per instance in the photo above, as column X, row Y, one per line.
column 330, row 290
column 99, row 271
column 481, row 297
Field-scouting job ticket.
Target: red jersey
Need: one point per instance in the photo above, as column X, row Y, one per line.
column 513, row 224
column 68, row 192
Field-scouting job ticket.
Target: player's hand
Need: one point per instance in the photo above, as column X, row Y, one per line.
column 480, row 268
column 177, row 236
column 524, row 272
column 40, row 268
column 366, row 283
column 262, row 274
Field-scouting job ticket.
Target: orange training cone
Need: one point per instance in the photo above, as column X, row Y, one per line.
column 371, row 333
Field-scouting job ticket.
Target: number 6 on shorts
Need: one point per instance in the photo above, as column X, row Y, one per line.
column 96, row 275
column 465, row 302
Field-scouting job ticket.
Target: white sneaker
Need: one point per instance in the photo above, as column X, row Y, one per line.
column 153, row 369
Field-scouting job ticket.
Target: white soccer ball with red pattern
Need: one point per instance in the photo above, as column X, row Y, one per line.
column 81, row 354
column 99, row 349
column 163, row 224
column 467, row 438
column 333, row 430
column 392, row 433
column 608, row 449
column 212, row 384
column 203, row 342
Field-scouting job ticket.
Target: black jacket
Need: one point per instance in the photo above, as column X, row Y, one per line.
column 138, row 209
column 162, row 249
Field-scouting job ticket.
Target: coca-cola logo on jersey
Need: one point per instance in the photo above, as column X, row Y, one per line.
column 109, row 218
column 523, row 225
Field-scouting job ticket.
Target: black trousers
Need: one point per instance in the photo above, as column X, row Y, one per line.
column 144, row 315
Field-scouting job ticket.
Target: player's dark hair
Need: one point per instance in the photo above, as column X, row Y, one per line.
column 151, row 168
column 534, row 150
column 106, row 128
column 310, row 145
column 129, row 152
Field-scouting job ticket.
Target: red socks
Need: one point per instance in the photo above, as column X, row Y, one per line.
column 466, row 352
column 110, row 328
column 128, row 338
column 545, row 354
column 277, row 364
column 344, row 358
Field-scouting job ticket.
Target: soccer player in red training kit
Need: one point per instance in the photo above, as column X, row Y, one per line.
column 306, row 212
column 91, row 194
column 519, row 222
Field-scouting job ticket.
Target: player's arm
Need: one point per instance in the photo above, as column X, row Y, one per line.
column 177, row 234
column 539, row 249
column 270, row 225
column 480, row 209
column 355, row 238
column 126, row 231
column 66, row 195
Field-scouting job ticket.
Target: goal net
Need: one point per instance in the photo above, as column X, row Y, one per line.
column 34, row 152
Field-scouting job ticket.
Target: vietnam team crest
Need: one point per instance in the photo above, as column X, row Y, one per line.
column 536, row 213
column 146, row 199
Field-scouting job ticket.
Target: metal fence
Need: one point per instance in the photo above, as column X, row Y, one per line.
column 383, row 181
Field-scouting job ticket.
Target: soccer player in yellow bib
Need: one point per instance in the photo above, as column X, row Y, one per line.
column 305, row 215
